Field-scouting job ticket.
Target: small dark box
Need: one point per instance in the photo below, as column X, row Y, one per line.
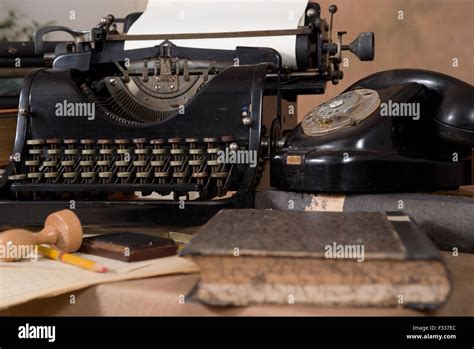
column 128, row 247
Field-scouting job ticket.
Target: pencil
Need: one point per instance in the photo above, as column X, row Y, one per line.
column 72, row 259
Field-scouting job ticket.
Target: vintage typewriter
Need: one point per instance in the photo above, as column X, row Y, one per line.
column 105, row 121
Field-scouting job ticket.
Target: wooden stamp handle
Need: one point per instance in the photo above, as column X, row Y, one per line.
column 62, row 230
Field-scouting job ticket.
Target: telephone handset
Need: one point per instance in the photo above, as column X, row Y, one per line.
column 455, row 98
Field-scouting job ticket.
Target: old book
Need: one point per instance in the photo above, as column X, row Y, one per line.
column 321, row 258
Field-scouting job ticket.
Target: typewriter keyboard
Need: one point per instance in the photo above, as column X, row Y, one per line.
column 160, row 165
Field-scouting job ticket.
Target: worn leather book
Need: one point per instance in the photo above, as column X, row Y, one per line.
column 320, row 258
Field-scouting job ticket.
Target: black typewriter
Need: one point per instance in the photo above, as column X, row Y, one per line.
column 183, row 127
column 103, row 121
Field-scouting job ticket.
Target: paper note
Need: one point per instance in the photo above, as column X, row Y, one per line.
column 26, row 280
column 326, row 203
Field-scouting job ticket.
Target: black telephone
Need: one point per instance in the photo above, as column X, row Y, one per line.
column 397, row 130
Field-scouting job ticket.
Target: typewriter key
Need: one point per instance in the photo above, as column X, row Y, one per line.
column 142, row 151
column 32, row 163
column 106, row 151
column 35, row 175
column 88, row 151
column 200, row 177
column 213, row 150
column 105, row 174
column 123, row 151
column 176, row 163
column 70, row 175
column 17, row 177
column 162, row 174
column 159, row 151
column 53, row 151
column 197, row 162
column 139, row 163
column 175, row 140
column 177, row 151
column 180, row 176
column 122, row 163
column 159, row 159
column 156, row 163
column 197, row 151
column 220, row 175
column 86, row 163
column 35, row 141
column 50, row 163
column 70, row 159
column 143, row 175
column 104, row 162
column 68, row 163
column 35, row 151
column 210, row 140
column 51, row 175
column 88, row 175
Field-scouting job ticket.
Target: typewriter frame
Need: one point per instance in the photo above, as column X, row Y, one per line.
column 137, row 212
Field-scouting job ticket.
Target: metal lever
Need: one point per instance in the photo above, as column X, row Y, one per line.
column 332, row 10
column 80, row 36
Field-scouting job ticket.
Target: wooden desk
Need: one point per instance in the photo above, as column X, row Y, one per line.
column 160, row 296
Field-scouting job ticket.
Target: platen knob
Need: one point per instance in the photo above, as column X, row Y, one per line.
column 363, row 46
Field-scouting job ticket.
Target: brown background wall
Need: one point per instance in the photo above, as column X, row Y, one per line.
column 432, row 33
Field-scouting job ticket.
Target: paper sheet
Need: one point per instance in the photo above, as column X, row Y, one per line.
column 203, row 16
column 25, row 280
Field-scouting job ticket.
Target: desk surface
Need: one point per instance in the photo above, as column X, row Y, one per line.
column 161, row 296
